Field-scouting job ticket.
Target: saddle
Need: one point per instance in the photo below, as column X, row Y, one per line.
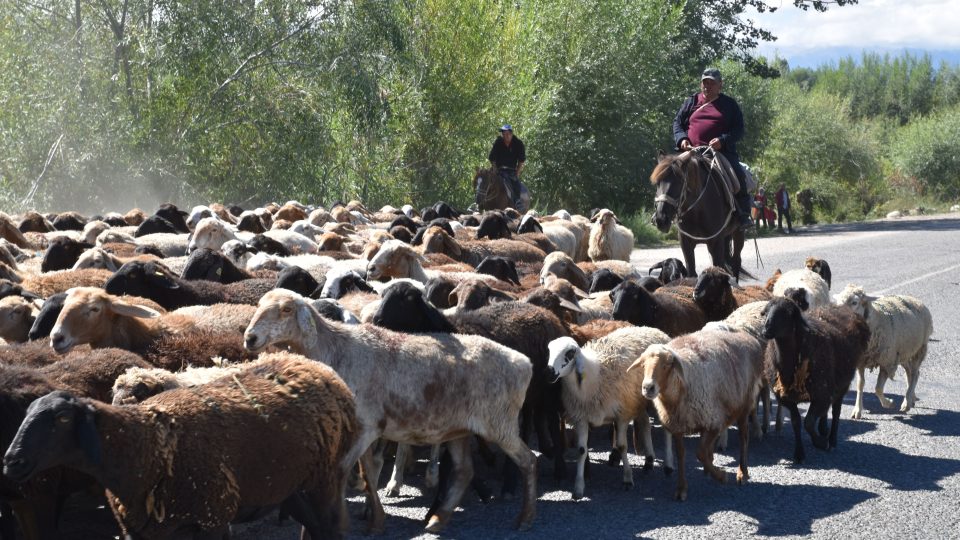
column 720, row 166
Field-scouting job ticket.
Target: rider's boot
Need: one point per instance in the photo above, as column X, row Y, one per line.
column 743, row 209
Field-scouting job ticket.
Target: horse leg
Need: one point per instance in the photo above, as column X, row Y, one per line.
column 718, row 251
column 687, row 246
column 736, row 262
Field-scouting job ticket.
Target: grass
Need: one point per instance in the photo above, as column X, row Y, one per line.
column 644, row 233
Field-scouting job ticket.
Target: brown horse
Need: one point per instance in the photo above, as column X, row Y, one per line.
column 689, row 190
column 492, row 194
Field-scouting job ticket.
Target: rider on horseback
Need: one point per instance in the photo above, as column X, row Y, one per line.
column 508, row 156
column 715, row 120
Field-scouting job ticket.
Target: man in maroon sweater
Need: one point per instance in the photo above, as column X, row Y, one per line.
column 711, row 118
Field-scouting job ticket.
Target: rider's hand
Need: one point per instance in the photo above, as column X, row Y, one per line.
column 715, row 143
column 685, row 145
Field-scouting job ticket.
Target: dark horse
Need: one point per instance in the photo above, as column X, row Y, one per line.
column 690, row 191
column 492, row 194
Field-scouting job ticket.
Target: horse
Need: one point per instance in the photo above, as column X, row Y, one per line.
column 492, row 194
column 690, row 190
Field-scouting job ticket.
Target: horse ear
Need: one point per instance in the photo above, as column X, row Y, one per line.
column 661, row 155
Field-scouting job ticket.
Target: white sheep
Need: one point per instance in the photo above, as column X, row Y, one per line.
column 137, row 384
column 609, row 239
column 418, row 389
column 900, row 326
column 702, row 383
column 816, row 292
column 598, row 391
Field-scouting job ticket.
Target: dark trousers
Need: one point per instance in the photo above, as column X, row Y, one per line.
column 784, row 212
column 512, row 181
column 742, row 198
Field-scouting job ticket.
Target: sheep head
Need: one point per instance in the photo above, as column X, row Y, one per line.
column 394, row 259
column 855, row 298
column 16, row 316
column 138, row 384
column 436, row 240
column 561, row 265
column 565, row 357
column 634, row 304
column 58, row 429
column 97, row 258
column 282, row 317
column 89, row 315
column 782, row 318
column 659, row 364
column 713, row 286
column 210, row 233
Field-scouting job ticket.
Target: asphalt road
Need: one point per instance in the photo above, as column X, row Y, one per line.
column 893, row 475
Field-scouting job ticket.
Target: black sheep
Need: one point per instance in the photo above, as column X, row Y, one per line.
column 9, row 288
column 205, row 263
column 443, row 223
column 155, row 224
column 494, row 225
column 529, row 224
column 298, row 280
column 717, row 293
column 604, row 279
column 62, row 254
column 156, row 282
column 69, row 221
column 437, row 291
column 401, row 233
column 670, row 270
column 666, row 311
column 470, row 221
column 499, row 267
column 251, row 223
column 174, row 215
column 405, row 222
column 147, row 249
column 47, row 317
column 821, row 267
column 812, row 358
column 268, row 245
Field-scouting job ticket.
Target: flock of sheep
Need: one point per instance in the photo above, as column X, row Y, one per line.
column 206, row 368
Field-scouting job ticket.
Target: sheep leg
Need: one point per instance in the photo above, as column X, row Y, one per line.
column 778, row 426
column 708, row 441
column 361, row 451
column 858, row 406
column 798, row 454
column 376, row 461
column 681, row 476
column 555, row 426
column 811, row 424
column 583, row 430
column 742, row 474
column 433, row 468
column 835, row 424
column 526, row 461
column 722, row 441
column 399, row 464
column 669, row 464
column 881, row 381
column 909, row 400
column 614, row 458
column 643, row 431
column 622, row 446
column 459, row 452
column 765, row 397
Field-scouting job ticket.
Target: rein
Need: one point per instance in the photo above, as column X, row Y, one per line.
column 681, row 210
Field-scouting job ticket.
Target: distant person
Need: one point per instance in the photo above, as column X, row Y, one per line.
column 711, row 118
column 508, row 156
column 782, row 198
column 760, row 208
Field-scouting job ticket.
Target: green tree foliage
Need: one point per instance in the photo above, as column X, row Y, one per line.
column 925, row 151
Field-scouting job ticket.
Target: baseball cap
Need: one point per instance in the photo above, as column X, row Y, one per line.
column 711, row 73
column 506, row 127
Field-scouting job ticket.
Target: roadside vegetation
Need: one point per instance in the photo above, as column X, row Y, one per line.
column 110, row 104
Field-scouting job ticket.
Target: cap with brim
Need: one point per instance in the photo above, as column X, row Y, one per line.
column 711, row 73
column 506, row 127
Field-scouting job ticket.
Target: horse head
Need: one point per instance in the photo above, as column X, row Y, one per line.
column 669, row 178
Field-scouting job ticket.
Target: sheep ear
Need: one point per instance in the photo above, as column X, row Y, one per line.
column 305, row 319
column 496, row 295
column 732, row 281
column 580, row 292
column 452, row 298
column 675, row 363
column 578, row 366
column 87, row 437
column 131, row 310
column 452, row 245
column 564, row 303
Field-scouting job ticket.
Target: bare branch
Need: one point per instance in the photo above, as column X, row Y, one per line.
column 36, row 183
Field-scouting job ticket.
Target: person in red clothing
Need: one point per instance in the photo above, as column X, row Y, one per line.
column 760, row 208
column 782, row 198
column 711, row 118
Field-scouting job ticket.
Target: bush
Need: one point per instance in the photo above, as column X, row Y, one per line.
column 925, row 150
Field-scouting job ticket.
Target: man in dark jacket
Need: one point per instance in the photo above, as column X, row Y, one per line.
column 508, row 156
column 713, row 119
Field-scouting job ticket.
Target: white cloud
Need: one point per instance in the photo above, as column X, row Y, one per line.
column 922, row 24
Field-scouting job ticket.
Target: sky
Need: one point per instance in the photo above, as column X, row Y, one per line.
column 810, row 38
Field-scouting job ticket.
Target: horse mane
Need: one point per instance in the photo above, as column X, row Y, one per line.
column 686, row 164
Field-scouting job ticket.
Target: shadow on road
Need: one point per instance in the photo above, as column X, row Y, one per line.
column 939, row 424
column 938, row 224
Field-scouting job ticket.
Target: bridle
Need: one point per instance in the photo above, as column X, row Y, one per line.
column 683, row 209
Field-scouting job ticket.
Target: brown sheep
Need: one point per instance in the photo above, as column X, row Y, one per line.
column 11, row 233
column 135, row 217
column 436, row 240
column 191, row 460
column 33, row 221
column 51, row 283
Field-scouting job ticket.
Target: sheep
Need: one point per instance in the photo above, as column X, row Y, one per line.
column 813, row 288
column 474, row 294
column 10, row 233
column 608, row 239
column 563, row 266
column 436, row 240
column 603, row 280
column 153, row 225
column 501, row 268
column 396, row 259
column 137, row 384
column 812, row 358
column 62, row 253
column 33, row 221
column 152, row 280
column 169, row 244
column 90, row 315
column 69, row 221
column 17, row 315
column 437, row 388
column 670, row 270
column 51, row 283
column 212, row 265
column 191, row 460
column 88, row 373
column 668, row 312
column 718, row 295
column 900, row 326
column 562, row 237
column 821, row 267
column 702, row 383
column 598, row 391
